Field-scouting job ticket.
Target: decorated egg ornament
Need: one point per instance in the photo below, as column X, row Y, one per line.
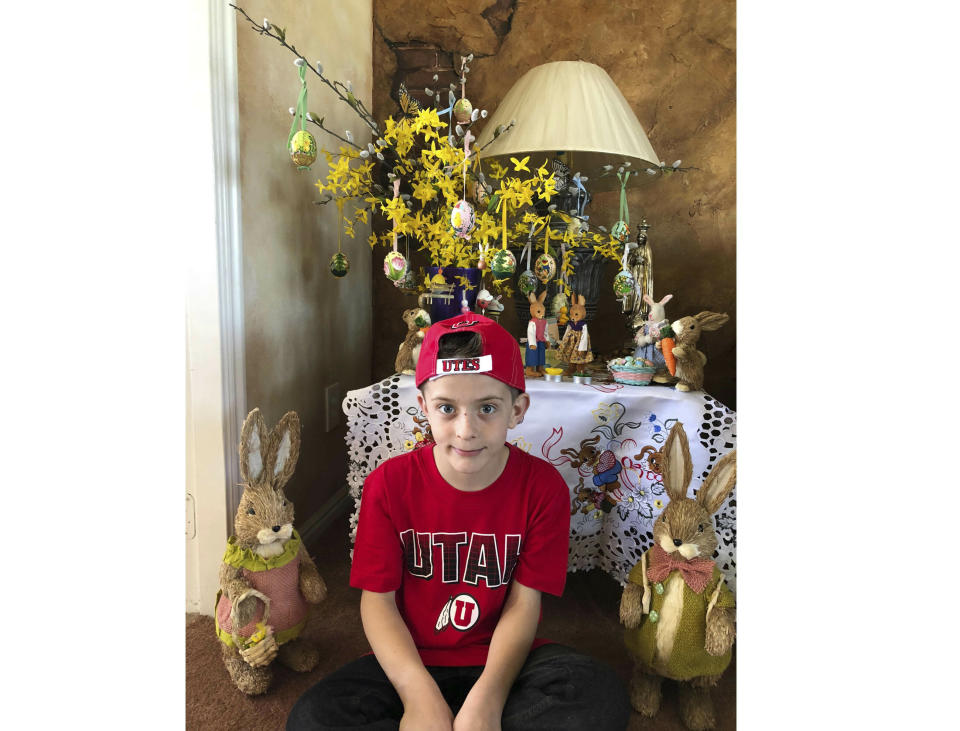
column 461, row 219
column 527, row 282
column 462, row 110
column 339, row 265
column 394, row 266
column 303, row 148
column 623, row 283
column 545, row 267
column 503, row 264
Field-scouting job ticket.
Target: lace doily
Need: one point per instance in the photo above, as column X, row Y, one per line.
column 384, row 420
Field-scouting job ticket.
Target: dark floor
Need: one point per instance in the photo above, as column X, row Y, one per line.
column 584, row 618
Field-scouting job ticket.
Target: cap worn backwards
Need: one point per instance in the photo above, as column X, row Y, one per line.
column 500, row 357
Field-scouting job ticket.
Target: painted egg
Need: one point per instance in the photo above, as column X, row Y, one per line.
column 623, row 283
column 461, row 219
column 303, row 148
column 545, row 267
column 527, row 282
column 503, row 264
column 394, row 266
column 558, row 302
column 620, row 231
column 339, row 265
column 462, row 110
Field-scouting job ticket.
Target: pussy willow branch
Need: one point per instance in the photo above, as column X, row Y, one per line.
column 358, row 106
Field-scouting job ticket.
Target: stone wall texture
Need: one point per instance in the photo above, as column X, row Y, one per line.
column 675, row 62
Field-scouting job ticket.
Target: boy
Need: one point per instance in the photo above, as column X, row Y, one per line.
column 454, row 544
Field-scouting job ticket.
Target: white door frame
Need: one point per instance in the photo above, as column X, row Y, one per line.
column 226, row 135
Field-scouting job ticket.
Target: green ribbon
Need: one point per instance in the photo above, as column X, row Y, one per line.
column 624, row 211
column 301, row 113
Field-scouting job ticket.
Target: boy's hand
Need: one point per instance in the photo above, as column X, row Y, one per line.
column 478, row 714
column 429, row 711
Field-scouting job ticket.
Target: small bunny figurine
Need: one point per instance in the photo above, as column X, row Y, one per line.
column 266, row 577
column 575, row 346
column 676, row 606
column 536, row 359
column 649, row 335
column 690, row 361
column 417, row 319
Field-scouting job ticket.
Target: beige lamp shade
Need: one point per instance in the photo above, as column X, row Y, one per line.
column 572, row 107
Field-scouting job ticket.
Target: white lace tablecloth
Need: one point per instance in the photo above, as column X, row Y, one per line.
column 382, row 421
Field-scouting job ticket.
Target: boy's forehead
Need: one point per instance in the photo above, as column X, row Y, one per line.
column 466, row 386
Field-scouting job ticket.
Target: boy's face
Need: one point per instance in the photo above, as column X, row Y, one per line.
column 469, row 416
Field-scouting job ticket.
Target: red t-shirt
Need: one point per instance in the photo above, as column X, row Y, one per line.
column 450, row 555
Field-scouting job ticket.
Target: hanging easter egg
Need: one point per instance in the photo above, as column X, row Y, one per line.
column 527, row 282
column 461, row 219
column 462, row 110
column 558, row 302
column 303, row 148
column 620, row 231
column 504, row 263
column 623, row 283
column 545, row 267
column 394, row 266
column 339, row 265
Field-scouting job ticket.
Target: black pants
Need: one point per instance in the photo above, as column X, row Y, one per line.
column 557, row 689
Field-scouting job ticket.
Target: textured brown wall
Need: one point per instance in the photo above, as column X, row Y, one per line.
column 304, row 329
column 675, row 62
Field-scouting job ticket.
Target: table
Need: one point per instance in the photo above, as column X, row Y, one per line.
column 384, row 420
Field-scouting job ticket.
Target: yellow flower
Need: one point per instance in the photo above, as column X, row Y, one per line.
column 548, row 190
column 519, row 165
column 424, row 191
column 394, row 209
column 497, row 170
column 408, row 445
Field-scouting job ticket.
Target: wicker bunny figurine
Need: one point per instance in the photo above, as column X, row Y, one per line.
column 418, row 320
column 690, row 361
column 266, row 578
column 676, row 606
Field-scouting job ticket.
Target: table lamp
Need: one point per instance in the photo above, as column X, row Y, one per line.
column 571, row 107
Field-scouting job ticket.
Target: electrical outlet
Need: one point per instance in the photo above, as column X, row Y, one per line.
column 334, row 404
column 191, row 517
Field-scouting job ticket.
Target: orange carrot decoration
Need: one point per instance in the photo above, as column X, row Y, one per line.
column 666, row 346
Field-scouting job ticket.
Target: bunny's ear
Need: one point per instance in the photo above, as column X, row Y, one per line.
column 711, row 320
column 284, row 449
column 531, row 298
column 648, row 299
column 254, row 440
column 583, row 300
column 664, row 300
column 542, row 296
column 719, row 483
column 677, row 467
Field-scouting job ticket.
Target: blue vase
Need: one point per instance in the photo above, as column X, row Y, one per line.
column 440, row 310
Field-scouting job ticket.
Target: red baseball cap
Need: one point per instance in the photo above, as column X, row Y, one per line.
column 499, row 359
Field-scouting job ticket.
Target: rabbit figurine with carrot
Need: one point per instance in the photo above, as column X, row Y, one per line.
column 267, row 578
column 676, row 606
